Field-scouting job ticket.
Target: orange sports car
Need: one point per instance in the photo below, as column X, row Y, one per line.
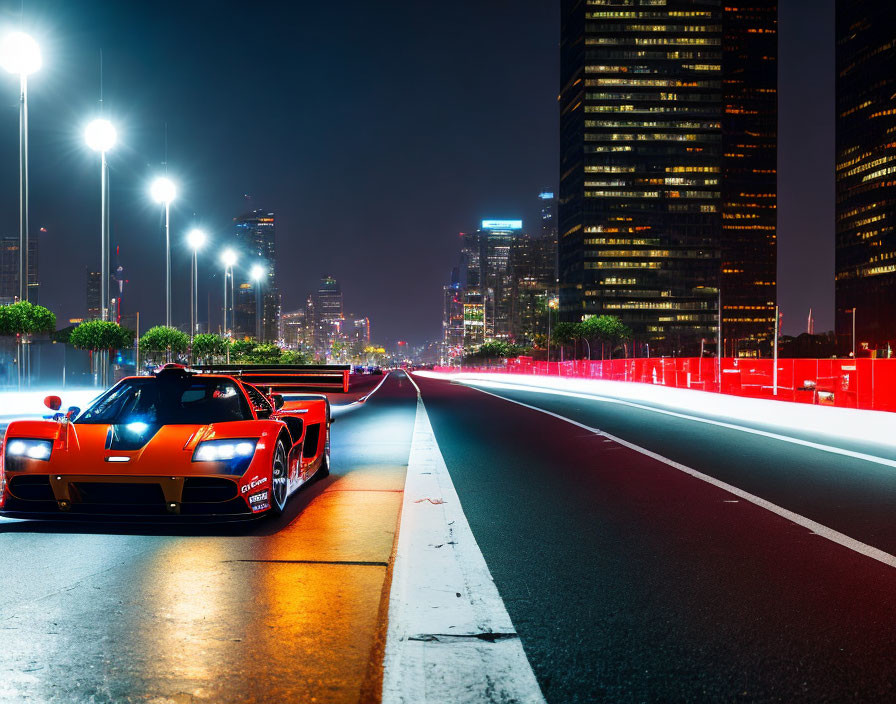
column 177, row 443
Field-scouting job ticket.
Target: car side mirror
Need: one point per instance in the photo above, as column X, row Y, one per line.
column 54, row 403
column 277, row 400
column 72, row 412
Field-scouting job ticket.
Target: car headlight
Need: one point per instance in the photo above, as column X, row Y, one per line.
column 19, row 450
column 236, row 453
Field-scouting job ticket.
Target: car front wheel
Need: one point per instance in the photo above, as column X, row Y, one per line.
column 279, row 481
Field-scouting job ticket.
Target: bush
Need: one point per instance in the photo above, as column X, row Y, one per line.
column 24, row 318
column 101, row 335
column 294, row 357
column 160, row 340
column 207, row 346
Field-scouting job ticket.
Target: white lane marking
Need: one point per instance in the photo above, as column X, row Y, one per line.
column 449, row 638
column 477, row 383
column 829, row 533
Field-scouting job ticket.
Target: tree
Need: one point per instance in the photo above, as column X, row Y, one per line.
column 265, row 353
column 161, row 340
column 608, row 329
column 97, row 335
column 496, row 349
column 207, row 346
column 565, row 333
column 241, row 349
column 294, row 357
column 25, row 318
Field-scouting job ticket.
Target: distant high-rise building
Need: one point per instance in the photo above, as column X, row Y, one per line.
column 328, row 304
column 548, row 203
column 360, row 329
column 94, row 279
column 9, row 269
column 255, row 237
column 534, row 265
column 866, row 172
column 298, row 330
column 668, row 116
column 452, row 319
column 496, row 239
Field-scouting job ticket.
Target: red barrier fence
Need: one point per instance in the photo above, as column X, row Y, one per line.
column 869, row 384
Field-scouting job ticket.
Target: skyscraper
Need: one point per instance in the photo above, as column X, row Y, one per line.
column 9, row 269
column 330, row 317
column 496, row 239
column 548, row 203
column 533, row 264
column 255, row 237
column 93, row 295
column 866, row 172
column 667, row 168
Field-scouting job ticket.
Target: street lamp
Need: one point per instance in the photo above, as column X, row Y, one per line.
column 553, row 304
column 256, row 273
column 163, row 191
column 20, row 54
column 196, row 239
column 100, row 136
column 228, row 259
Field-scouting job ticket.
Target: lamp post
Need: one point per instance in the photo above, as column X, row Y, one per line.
column 228, row 259
column 553, row 303
column 100, row 136
column 20, row 54
column 196, row 239
column 257, row 273
column 853, row 332
column 163, row 191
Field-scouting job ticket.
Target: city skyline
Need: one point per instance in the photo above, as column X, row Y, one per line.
column 501, row 182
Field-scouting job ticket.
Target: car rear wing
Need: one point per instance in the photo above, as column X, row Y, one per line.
column 286, row 378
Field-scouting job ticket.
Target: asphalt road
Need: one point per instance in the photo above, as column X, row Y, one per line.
column 272, row 611
column 630, row 581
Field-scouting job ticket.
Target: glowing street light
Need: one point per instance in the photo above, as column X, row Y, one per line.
column 163, row 191
column 196, row 239
column 100, row 136
column 20, row 55
column 553, row 304
column 257, row 274
column 228, row 259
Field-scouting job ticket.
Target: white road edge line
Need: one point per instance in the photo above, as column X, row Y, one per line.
column 833, row 449
column 449, row 637
column 817, row 528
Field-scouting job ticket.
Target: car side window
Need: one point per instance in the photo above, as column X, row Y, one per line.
column 258, row 401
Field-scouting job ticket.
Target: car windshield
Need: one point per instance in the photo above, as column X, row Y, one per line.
column 169, row 400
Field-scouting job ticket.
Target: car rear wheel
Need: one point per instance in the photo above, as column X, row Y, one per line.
column 279, row 480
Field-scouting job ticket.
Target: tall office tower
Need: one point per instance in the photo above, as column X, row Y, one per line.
column 471, row 288
column 548, row 205
column 667, row 168
column 359, row 330
column 496, row 239
column 255, row 238
column 452, row 320
column 329, row 312
column 295, row 329
column 9, row 269
column 866, row 173
column 533, row 263
column 93, row 295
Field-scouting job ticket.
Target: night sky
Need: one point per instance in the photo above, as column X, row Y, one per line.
column 376, row 131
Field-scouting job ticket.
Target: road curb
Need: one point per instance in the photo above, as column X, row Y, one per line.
column 449, row 638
